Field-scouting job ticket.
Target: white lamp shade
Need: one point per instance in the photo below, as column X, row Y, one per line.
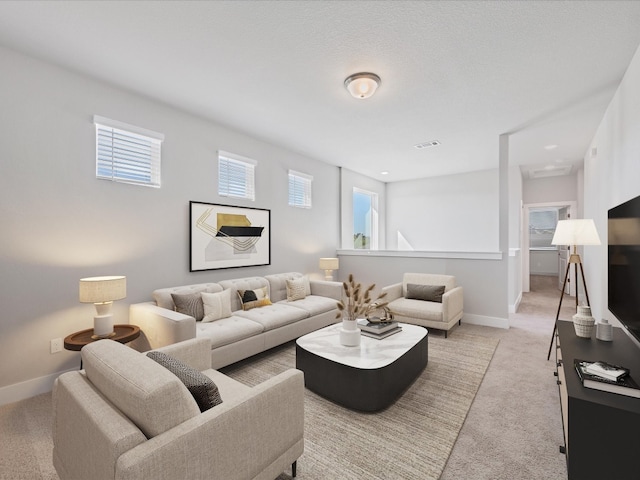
column 576, row 232
column 329, row 264
column 103, row 289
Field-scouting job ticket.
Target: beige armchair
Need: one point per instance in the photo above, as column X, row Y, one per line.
column 127, row 417
column 419, row 301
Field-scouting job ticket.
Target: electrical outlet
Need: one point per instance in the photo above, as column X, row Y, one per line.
column 56, row 345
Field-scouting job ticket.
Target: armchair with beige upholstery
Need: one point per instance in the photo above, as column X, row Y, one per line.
column 125, row 416
column 429, row 300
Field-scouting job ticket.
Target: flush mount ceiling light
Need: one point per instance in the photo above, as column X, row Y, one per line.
column 362, row 85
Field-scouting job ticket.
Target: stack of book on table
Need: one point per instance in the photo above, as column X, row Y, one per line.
column 606, row 377
column 378, row 330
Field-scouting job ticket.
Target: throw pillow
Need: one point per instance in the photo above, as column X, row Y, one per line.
column 429, row 293
column 216, row 305
column 204, row 390
column 189, row 304
column 296, row 289
column 254, row 298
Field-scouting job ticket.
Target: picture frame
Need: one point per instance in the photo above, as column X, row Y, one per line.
column 227, row 236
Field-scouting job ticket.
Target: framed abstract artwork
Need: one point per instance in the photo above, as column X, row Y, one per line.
column 224, row 236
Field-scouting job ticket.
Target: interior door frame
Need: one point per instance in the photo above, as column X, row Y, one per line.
column 524, row 234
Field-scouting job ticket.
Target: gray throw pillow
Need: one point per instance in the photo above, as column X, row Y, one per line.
column 429, row 293
column 204, row 390
column 189, row 304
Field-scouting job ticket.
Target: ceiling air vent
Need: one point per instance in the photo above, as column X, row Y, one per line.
column 550, row 172
column 433, row 143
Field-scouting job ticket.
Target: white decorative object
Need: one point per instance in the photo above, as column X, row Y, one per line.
column 102, row 291
column 583, row 322
column 349, row 333
column 604, row 331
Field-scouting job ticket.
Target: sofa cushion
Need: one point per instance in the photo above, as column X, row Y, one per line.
column 449, row 281
column 204, row 390
column 275, row 315
column 216, row 305
column 278, row 284
column 163, row 299
column 428, row 293
column 149, row 395
column 247, row 283
column 297, row 288
column 254, row 298
column 313, row 304
column 228, row 330
column 418, row 309
column 189, row 304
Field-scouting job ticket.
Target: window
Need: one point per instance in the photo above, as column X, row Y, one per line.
column 126, row 153
column 542, row 226
column 299, row 189
column 236, row 176
column 365, row 220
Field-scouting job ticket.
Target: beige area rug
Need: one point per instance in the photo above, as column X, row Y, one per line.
column 412, row 439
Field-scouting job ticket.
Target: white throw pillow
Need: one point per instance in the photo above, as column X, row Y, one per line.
column 297, row 289
column 216, row 305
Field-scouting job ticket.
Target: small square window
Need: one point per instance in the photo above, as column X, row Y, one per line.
column 299, row 189
column 236, row 176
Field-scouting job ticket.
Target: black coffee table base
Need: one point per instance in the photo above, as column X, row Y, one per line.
column 367, row 390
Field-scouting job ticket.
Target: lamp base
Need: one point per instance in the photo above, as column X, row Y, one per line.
column 102, row 337
column 103, row 326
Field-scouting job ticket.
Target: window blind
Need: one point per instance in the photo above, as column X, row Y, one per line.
column 126, row 153
column 299, row 189
column 236, row 177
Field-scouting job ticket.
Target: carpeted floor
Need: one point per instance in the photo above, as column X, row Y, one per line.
column 512, row 430
column 411, row 439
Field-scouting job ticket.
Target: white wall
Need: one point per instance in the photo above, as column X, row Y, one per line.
column 562, row 188
column 611, row 177
column 59, row 223
column 515, row 228
column 454, row 213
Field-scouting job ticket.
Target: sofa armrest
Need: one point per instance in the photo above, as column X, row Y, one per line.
column 393, row 292
column 262, row 429
column 325, row 288
column 195, row 352
column 452, row 303
column 160, row 326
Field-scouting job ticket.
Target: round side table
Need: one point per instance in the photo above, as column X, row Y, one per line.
column 124, row 333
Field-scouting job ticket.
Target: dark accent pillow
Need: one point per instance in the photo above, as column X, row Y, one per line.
column 204, row 390
column 189, row 304
column 254, row 298
column 429, row 293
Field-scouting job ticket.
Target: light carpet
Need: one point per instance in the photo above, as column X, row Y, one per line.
column 412, row 439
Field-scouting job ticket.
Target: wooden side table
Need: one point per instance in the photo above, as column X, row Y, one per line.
column 124, row 333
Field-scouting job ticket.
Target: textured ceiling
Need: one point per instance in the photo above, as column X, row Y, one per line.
column 458, row 72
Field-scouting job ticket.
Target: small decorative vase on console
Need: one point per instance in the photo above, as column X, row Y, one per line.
column 583, row 322
column 349, row 333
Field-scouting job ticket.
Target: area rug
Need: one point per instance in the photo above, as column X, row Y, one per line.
column 411, row 439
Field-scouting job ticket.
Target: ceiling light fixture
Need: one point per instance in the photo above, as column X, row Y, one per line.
column 551, row 147
column 362, row 85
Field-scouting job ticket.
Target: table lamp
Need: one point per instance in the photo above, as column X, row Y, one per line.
column 329, row 265
column 102, row 291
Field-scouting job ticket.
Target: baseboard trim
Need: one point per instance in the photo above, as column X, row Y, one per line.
column 514, row 308
column 29, row 388
column 495, row 322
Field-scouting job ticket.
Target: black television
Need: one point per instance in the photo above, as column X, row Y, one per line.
column 623, row 226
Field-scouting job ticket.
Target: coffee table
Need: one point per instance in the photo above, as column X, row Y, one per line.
column 366, row 378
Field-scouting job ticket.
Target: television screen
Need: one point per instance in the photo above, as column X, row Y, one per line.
column 624, row 264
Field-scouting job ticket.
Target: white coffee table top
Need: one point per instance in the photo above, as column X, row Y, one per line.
column 372, row 353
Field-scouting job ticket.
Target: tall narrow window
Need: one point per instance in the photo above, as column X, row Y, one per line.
column 542, row 225
column 365, row 219
column 299, row 189
column 126, row 153
column 236, row 177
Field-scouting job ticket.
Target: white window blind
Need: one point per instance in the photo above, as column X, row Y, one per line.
column 236, row 176
column 126, row 153
column 300, row 189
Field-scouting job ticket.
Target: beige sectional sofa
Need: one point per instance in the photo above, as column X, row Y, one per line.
column 244, row 332
column 127, row 417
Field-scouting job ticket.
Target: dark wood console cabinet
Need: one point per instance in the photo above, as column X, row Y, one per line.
column 601, row 429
